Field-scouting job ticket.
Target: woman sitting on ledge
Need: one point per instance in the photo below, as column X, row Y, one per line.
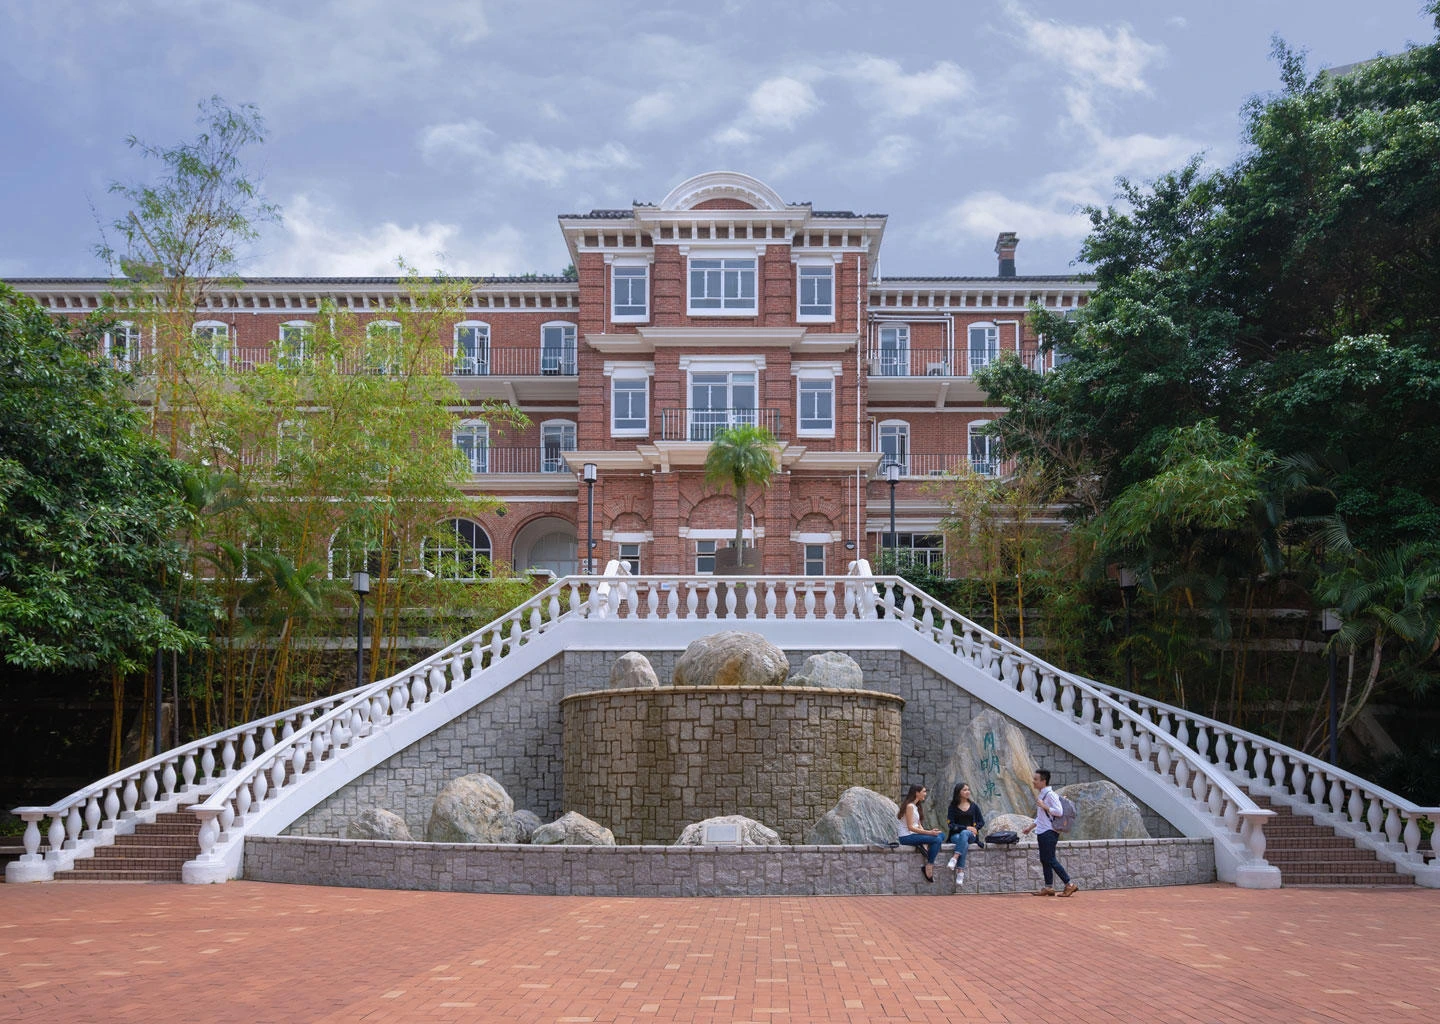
column 912, row 833
column 966, row 821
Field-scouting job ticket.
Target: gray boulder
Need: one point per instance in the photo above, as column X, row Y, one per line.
column 992, row 755
column 831, row 670
column 572, row 829
column 526, row 822
column 731, row 658
column 1103, row 811
column 378, row 823
column 1016, row 823
column 632, row 670
column 752, row 833
column 861, row 817
column 472, row 809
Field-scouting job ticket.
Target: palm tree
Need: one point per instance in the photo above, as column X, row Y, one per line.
column 740, row 457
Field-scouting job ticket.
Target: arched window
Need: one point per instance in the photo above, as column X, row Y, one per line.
column 557, row 349
column 984, row 345
column 472, row 437
column 357, row 548
column 459, row 551
column 472, row 348
column 122, row 345
column 297, row 338
column 984, row 450
column 893, row 438
column 382, row 346
column 556, row 438
column 212, row 342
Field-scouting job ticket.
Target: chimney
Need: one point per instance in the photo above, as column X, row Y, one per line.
column 1005, row 249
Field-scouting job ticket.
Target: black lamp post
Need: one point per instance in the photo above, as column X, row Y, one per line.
column 892, row 477
column 589, row 473
column 360, row 584
column 1128, row 585
column 1330, row 625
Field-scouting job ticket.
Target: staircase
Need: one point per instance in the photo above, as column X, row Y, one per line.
column 1308, row 853
column 154, row 852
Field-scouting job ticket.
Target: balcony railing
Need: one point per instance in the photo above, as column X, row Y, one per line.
column 935, row 362
column 930, row 464
column 528, row 459
column 703, row 424
column 496, row 362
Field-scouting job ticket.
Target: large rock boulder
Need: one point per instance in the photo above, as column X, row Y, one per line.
column 472, row 809
column 378, row 823
column 526, row 822
column 831, row 670
column 1103, row 811
column 632, row 670
column 731, row 658
column 1016, row 823
column 752, row 833
column 992, row 755
column 861, row 817
column 572, row 829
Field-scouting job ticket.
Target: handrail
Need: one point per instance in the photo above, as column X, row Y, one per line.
column 1330, row 792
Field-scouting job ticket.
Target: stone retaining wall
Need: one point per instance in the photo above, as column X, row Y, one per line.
column 712, row 871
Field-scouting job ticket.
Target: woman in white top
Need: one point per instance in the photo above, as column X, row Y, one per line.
column 912, row 833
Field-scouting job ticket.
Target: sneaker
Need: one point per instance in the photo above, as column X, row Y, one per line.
column 959, row 878
column 1047, row 891
column 953, row 862
column 1070, row 889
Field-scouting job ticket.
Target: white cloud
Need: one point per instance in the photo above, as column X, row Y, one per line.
column 530, row 161
column 461, row 140
column 316, row 243
column 897, row 94
column 891, row 153
column 781, row 102
column 985, row 214
column 649, row 110
column 1114, row 59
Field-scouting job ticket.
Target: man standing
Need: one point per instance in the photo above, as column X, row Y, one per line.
column 1047, row 805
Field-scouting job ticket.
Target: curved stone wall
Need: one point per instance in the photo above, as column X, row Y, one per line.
column 647, row 762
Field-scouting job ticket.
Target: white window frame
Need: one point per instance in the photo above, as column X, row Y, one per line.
column 705, row 549
column 630, row 270
column 390, row 333
column 477, row 364
column 894, row 428
column 808, row 268
column 991, row 339
column 438, row 550
column 807, row 376
column 365, row 552
column 630, row 377
column 806, row 550
column 211, row 332
column 131, row 334
column 728, row 263
column 564, row 428
column 564, row 363
column 629, row 553
column 477, row 450
column 287, row 352
column 988, row 464
column 894, row 362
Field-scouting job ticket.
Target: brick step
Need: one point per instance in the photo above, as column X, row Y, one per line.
column 138, row 853
column 1299, row 878
column 170, row 865
column 1316, row 842
column 1340, row 858
column 154, row 839
column 119, row 875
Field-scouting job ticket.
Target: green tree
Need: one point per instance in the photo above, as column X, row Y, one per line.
column 740, row 457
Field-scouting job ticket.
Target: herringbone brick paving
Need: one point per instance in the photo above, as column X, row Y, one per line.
column 254, row 952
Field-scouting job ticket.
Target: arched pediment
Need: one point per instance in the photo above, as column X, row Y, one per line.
column 713, row 185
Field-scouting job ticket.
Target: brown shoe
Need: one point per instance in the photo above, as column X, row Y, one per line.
column 1070, row 889
column 929, row 871
column 1047, row 891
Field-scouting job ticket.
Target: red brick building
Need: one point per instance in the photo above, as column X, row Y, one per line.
column 720, row 304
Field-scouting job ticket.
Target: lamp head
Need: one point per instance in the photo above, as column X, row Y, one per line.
column 590, row 473
column 892, row 472
column 1330, row 621
column 360, row 582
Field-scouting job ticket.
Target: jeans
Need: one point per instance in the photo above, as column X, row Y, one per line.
column 931, row 842
column 963, row 839
column 1047, row 841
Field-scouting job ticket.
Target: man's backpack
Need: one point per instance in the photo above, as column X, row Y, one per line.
column 1065, row 820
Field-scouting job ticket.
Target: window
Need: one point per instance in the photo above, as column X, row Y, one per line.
column 122, row 345
column 294, row 446
column 629, row 406
column 816, row 286
column 920, row 550
column 556, row 438
column 459, row 551
column 705, row 557
column 814, row 559
column 212, row 342
column 984, row 450
column 892, row 355
column 817, row 407
column 630, row 292
column 472, row 348
column 894, row 441
column 472, row 438
column 722, row 286
column 382, row 346
column 630, row 555
column 719, row 400
column 297, row 339
column 557, row 350
column 984, row 345
column 357, row 549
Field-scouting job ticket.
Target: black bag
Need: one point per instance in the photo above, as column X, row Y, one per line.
column 1006, row 838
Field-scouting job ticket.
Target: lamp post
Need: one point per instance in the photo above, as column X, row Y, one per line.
column 1330, row 625
column 360, row 584
column 1128, row 585
column 892, row 477
column 590, row 473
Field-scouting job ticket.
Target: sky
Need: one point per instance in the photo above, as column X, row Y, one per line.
column 453, row 132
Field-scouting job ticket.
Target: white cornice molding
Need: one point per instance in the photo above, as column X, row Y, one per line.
column 723, row 185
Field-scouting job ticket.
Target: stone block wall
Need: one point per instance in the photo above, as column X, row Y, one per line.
column 648, row 762
column 712, row 871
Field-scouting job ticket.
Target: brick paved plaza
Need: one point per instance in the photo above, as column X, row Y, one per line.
column 255, row 952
